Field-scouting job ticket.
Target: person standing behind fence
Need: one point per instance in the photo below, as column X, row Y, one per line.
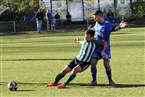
column 110, row 16
column 53, row 22
column 49, row 20
column 39, row 18
column 57, row 18
column 68, row 18
column 105, row 14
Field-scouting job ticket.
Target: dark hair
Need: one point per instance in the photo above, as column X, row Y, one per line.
column 91, row 32
column 99, row 13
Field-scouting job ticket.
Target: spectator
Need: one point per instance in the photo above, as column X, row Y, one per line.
column 39, row 18
column 105, row 13
column 57, row 18
column 32, row 17
column 110, row 16
column 49, row 20
column 53, row 22
column 24, row 18
column 68, row 18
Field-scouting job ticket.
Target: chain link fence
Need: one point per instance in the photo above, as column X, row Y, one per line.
column 24, row 27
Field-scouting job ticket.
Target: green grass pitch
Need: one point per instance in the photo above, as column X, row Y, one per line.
column 33, row 60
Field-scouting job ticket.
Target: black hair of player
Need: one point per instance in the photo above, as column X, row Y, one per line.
column 98, row 13
column 91, row 32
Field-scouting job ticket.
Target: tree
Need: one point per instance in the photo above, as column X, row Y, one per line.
column 138, row 7
column 19, row 7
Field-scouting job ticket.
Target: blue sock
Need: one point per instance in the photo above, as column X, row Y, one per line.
column 109, row 75
column 94, row 72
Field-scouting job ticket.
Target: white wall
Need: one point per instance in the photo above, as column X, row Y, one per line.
column 76, row 10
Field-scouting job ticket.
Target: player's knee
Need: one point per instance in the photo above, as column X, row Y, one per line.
column 93, row 62
column 107, row 64
column 65, row 71
column 76, row 69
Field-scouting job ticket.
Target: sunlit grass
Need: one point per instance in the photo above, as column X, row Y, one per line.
column 33, row 60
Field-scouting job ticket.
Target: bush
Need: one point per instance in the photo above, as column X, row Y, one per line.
column 138, row 7
column 9, row 15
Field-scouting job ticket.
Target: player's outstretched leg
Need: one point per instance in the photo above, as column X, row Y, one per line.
column 71, row 77
column 64, row 71
column 57, row 79
column 68, row 80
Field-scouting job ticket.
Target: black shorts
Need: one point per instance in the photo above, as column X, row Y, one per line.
column 75, row 62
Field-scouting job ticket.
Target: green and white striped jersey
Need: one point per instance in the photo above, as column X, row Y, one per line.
column 87, row 50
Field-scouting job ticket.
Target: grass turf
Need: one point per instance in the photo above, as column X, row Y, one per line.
column 32, row 60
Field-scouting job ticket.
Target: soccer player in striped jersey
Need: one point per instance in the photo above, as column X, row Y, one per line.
column 103, row 30
column 82, row 61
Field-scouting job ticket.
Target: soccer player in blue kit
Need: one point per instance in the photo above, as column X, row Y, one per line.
column 103, row 30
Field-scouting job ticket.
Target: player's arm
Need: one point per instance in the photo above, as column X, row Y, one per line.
column 116, row 28
column 103, row 43
column 77, row 40
column 36, row 16
column 120, row 26
column 90, row 28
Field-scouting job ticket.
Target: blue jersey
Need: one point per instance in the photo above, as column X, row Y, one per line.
column 103, row 31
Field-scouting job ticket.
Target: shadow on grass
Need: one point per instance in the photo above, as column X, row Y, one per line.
column 20, row 83
column 82, row 84
column 107, row 85
column 33, row 59
column 128, row 85
column 24, row 90
column 38, row 84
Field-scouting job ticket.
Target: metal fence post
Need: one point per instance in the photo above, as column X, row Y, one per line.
column 131, row 9
column 87, row 23
column 14, row 23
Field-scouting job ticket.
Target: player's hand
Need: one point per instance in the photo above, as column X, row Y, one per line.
column 89, row 27
column 76, row 40
column 123, row 24
column 103, row 54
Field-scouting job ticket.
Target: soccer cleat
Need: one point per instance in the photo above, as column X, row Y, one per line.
column 112, row 83
column 61, row 86
column 51, row 84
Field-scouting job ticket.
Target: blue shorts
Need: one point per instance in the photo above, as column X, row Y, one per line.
column 97, row 55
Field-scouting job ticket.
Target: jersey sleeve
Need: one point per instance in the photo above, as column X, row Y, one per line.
column 98, row 42
column 116, row 28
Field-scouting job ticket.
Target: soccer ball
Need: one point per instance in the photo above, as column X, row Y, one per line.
column 12, row 86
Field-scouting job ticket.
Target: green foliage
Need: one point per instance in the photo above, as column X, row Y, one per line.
column 15, row 11
column 1, row 2
column 8, row 15
column 20, row 7
column 138, row 7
